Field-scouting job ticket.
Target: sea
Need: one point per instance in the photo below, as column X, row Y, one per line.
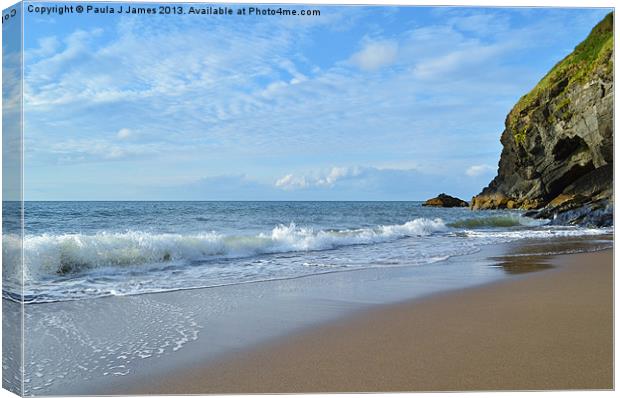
column 88, row 250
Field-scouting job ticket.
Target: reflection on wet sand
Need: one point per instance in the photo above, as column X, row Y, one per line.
column 535, row 256
column 522, row 264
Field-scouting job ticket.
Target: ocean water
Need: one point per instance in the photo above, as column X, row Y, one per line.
column 84, row 250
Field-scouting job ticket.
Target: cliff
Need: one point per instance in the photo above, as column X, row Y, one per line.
column 557, row 152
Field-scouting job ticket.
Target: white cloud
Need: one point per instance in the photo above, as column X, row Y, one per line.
column 290, row 68
column 338, row 173
column 329, row 179
column 464, row 59
column 47, row 46
column 323, row 180
column 376, row 55
column 124, row 134
column 289, row 182
column 479, row 169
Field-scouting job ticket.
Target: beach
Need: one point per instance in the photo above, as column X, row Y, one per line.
column 335, row 296
column 551, row 329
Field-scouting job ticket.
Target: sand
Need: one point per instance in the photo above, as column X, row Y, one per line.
column 551, row 329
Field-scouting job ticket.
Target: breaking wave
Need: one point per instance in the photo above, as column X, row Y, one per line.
column 49, row 254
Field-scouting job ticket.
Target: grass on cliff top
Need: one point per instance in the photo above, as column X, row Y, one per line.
column 577, row 67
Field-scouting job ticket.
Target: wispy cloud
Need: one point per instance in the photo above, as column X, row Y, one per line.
column 480, row 169
column 88, row 150
column 289, row 181
column 267, row 96
column 124, row 134
column 375, row 55
column 326, row 180
column 47, row 46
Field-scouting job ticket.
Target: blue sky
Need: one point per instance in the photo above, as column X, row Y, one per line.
column 360, row 103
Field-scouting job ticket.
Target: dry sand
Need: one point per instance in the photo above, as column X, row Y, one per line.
column 544, row 330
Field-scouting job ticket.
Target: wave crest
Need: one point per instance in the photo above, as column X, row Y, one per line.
column 69, row 253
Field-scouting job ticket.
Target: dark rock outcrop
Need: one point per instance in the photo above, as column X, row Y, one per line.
column 444, row 200
column 557, row 152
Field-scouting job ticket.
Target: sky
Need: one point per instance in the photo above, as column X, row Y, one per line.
column 359, row 103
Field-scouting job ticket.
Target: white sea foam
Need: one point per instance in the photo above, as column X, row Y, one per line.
column 61, row 267
column 545, row 232
column 68, row 253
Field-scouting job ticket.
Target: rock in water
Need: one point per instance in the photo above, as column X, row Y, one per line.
column 558, row 141
column 444, row 200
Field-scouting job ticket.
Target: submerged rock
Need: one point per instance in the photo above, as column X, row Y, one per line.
column 444, row 200
column 557, row 155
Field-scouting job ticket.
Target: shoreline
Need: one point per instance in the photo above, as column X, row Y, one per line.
column 543, row 330
column 163, row 336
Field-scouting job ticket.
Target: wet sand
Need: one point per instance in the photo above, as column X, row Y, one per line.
column 551, row 329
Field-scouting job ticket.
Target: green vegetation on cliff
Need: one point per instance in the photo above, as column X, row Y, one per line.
column 588, row 57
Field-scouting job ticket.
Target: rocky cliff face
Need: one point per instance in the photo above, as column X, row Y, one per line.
column 558, row 142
